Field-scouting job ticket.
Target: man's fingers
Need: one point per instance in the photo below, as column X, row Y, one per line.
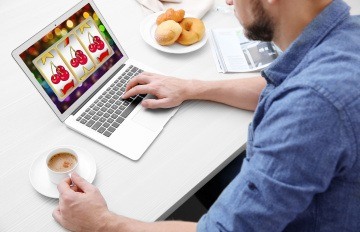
column 57, row 215
column 81, row 182
column 138, row 80
column 75, row 188
column 147, row 73
column 139, row 89
column 64, row 185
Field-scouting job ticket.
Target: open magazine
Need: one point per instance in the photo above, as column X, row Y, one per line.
column 233, row 52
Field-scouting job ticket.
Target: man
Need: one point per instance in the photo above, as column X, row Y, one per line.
column 301, row 171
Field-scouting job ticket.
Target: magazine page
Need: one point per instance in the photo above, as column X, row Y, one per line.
column 233, row 52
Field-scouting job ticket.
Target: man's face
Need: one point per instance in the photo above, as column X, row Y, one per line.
column 254, row 18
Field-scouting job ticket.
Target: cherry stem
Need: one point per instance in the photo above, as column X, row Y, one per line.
column 90, row 35
column 51, row 65
column 72, row 49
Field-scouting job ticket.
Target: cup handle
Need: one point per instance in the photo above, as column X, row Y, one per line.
column 72, row 183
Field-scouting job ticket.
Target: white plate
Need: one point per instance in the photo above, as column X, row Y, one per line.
column 147, row 31
column 39, row 177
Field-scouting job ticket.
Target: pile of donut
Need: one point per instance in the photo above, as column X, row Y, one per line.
column 173, row 27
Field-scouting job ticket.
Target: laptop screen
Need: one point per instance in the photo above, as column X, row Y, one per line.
column 72, row 57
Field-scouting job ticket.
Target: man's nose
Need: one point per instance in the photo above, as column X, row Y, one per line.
column 230, row 2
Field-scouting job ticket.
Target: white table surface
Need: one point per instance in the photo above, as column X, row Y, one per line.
column 199, row 140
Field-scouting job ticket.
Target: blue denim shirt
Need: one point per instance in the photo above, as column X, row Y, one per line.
column 302, row 170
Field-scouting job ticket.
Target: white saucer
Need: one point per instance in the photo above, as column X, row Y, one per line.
column 39, row 177
column 147, row 31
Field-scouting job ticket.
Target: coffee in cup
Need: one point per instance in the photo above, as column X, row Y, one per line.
column 61, row 162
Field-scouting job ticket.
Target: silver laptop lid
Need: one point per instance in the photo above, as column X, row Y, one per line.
column 71, row 58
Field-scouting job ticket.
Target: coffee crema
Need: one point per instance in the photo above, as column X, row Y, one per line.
column 62, row 162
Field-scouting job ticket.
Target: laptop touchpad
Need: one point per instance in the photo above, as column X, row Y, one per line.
column 153, row 119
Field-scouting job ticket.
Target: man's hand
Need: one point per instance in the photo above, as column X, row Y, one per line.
column 81, row 207
column 170, row 91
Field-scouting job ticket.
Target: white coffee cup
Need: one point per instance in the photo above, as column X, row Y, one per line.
column 57, row 176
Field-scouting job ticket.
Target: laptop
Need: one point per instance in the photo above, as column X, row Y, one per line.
column 81, row 70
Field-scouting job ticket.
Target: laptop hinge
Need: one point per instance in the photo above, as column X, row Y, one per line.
column 100, row 87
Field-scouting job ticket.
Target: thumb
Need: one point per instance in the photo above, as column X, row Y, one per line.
column 81, row 182
column 156, row 103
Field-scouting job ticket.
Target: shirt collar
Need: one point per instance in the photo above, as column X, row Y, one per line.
column 312, row 35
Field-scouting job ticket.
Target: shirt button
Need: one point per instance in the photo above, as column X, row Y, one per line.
column 252, row 186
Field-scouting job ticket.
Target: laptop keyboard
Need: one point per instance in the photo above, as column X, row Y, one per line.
column 108, row 111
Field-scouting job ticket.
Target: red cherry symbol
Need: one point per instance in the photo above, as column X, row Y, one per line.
column 63, row 73
column 55, row 78
column 92, row 48
column 65, row 76
column 97, row 44
column 60, row 68
column 78, row 53
column 96, row 38
column 82, row 59
column 74, row 62
column 100, row 45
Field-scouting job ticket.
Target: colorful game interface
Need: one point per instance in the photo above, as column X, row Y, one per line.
column 71, row 58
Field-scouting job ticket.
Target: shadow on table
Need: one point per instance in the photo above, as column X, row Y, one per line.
column 201, row 201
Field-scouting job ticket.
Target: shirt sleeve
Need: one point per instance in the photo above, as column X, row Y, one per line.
column 298, row 147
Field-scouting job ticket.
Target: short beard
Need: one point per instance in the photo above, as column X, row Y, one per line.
column 262, row 28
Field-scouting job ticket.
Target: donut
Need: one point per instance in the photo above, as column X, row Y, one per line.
column 193, row 30
column 167, row 32
column 171, row 14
